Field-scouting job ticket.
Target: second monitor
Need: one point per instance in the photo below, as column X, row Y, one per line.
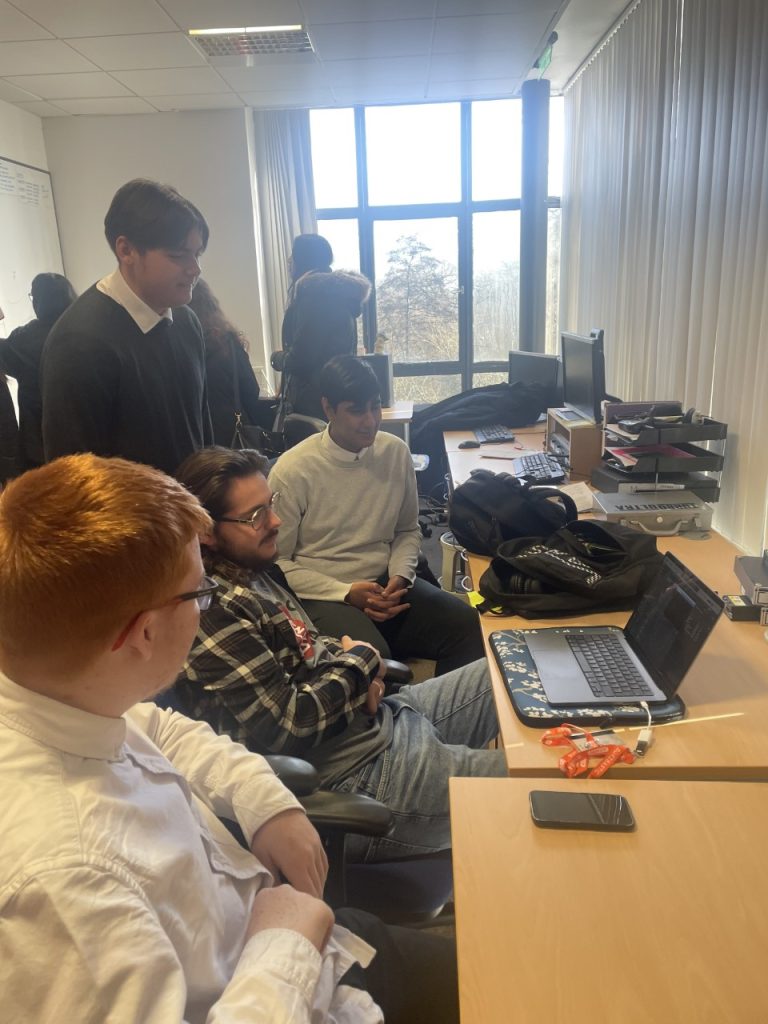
column 583, row 375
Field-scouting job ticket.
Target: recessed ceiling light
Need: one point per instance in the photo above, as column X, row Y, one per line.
column 240, row 31
column 237, row 42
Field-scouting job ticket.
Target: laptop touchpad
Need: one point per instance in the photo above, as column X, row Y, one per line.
column 552, row 656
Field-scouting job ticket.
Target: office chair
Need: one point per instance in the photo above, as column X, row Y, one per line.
column 412, row 890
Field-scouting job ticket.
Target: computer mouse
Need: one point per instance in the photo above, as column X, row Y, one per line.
column 469, row 444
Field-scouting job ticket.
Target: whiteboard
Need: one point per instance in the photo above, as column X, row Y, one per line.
column 29, row 238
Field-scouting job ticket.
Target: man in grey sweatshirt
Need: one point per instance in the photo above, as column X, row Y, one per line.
column 350, row 537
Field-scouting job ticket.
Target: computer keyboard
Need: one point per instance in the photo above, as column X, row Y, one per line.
column 607, row 667
column 494, row 434
column 540, row 468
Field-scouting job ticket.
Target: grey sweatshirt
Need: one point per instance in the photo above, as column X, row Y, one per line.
column 344, row 517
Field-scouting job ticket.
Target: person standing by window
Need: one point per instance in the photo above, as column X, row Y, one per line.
column 20, row 355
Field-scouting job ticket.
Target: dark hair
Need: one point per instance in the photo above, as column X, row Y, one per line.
column 152, row 216
column 208, row 473
column 51, row 295
column 216, row 327
column 310, row 252
column 348, row 379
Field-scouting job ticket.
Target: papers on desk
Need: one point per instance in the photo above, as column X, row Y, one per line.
column 629, row 456
column 581, row 495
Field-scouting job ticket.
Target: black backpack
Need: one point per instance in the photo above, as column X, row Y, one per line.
column 585, row 566
column 491, row 508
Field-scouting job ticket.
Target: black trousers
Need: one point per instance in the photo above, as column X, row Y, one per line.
column 413, row 976
column 438, row 625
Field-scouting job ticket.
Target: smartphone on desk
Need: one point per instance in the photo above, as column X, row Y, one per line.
column 603, row 812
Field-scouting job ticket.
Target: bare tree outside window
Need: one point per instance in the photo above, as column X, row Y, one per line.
column 416, row 304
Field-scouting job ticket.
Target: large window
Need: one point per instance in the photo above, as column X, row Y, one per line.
column 427, row 200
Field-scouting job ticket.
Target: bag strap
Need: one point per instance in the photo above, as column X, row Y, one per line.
column 235, row 378
column 569, row 505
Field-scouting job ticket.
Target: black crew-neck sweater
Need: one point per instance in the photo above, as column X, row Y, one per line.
column 110, row 389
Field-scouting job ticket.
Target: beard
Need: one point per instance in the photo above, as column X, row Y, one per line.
column 251, row 561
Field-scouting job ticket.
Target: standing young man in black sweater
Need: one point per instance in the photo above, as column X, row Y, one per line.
column 123, row 369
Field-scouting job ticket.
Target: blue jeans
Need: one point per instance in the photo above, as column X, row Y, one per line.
column 441, row 729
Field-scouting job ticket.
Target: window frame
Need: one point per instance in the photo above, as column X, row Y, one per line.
column 462, row 210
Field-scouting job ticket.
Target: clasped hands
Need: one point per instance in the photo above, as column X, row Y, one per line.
column 377, row 602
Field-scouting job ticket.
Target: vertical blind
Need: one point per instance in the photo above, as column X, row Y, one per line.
column 284, row 206
column 665, row 224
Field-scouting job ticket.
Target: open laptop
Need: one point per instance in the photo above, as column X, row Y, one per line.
column 651, row 655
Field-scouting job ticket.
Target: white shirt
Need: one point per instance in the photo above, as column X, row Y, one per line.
column 117, row 288
column 123, row 898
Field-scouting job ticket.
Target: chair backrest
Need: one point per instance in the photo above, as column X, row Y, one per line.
column 297, row 427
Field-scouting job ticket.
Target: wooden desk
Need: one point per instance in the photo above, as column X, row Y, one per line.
column 665, row 924
column 400, row 413
column 725, row 732
column 453, row 438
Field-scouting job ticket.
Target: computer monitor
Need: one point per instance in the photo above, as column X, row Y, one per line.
column 537, row 368
column 583, row 374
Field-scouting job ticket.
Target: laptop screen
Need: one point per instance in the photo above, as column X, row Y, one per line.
column 669, row 626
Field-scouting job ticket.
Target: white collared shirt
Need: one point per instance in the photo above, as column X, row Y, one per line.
column 123, row 898
column 343, row 454
column 117, row 288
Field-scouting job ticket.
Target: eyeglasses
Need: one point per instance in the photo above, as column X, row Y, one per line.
column 203, row 596
column 258, row 517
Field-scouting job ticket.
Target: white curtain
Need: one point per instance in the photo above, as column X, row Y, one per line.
column 665, row 224
column 284, row 201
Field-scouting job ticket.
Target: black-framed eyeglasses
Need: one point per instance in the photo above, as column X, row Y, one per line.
column 258, row 517
column 203, row 596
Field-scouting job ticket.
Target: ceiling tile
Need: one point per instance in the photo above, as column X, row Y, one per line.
column 271, row 78
column 453, row 67
column 116, row 105
column 79, row 86
column 489, row 88
column 323, row 12
column 12, row 94
column 386, row 92
column 173, row 82
column 232, row 13
column 97, row 17
column 224, row 101
column 490, row 32
column 372, row 39
column 457, row 8
column 16, row 26
column 372, row 72
column 287, row 98
column 43, row 109
column 132, row 53
column 41, row 58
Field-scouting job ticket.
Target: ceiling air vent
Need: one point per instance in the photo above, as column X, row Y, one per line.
column 247, row 42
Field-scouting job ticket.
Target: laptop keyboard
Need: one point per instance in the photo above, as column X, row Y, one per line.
column 607, row 667
column 494, row 434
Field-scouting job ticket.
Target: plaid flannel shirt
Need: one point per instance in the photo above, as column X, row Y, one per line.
column 247, row 677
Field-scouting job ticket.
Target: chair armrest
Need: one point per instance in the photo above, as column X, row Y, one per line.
column 297, row 775
column 347, row 812
column 397, row 672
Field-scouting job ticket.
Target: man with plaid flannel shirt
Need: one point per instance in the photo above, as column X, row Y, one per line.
column 260, row 672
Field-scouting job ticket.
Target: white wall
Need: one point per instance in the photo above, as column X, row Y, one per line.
column 21, row 136
column 202, row 154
